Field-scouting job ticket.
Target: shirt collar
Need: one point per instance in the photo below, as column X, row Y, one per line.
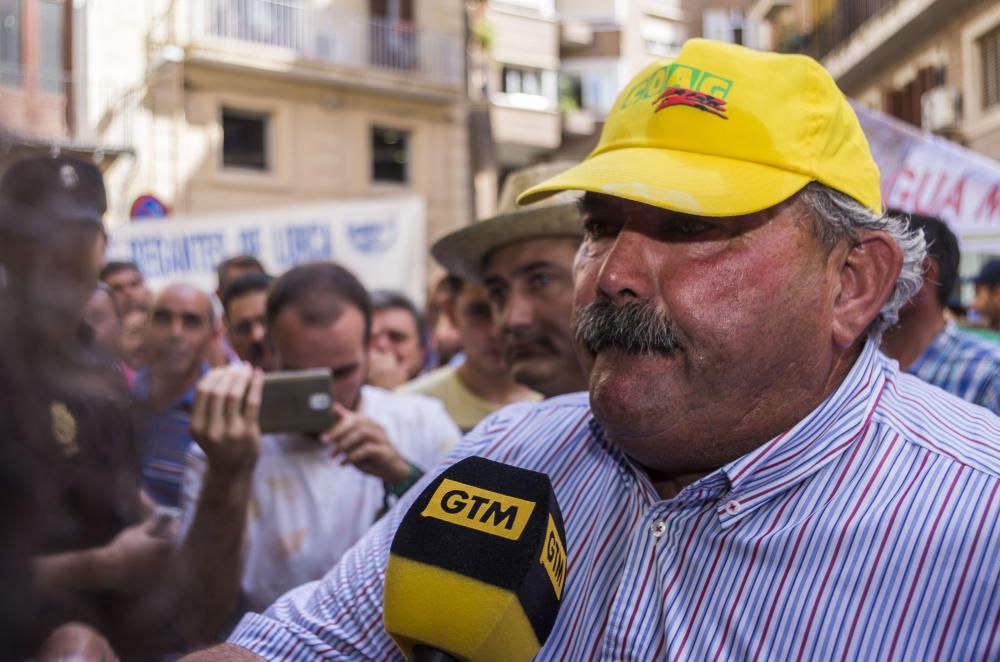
column 821, row 437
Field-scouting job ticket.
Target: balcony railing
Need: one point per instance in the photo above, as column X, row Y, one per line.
column 839, row 25
column 335, row 36
column 53, row 108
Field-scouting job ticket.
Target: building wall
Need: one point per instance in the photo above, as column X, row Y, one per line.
column 321, row 141
column 321, row 114
column 981, row 126
column 954, row 48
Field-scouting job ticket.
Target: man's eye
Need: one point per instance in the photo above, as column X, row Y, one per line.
column 479, row 311
column 691, row 227
column 596, row 228
column 496, row 294
column 538, row 281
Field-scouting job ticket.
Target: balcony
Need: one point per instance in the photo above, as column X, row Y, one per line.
column 54, row 112
column 293, row 33
column 531, row 128
column 857, row 39
column 836, row 28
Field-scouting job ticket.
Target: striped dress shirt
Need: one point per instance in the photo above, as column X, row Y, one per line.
column 870, row 530
column 963, row 364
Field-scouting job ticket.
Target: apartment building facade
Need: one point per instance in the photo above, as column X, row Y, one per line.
column 934, row 64
column 544, row 73
column 228, row 105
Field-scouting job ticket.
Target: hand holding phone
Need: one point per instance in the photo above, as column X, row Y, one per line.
column 364, row 443
column 224, row 418
column 297, row 401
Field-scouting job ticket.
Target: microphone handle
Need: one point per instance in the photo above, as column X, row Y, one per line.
column 423, row 653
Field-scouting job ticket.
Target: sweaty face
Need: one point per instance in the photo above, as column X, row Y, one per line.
column 130, row 289
column 701, row 337
column 394, row 330
column 178, row 331
column 530, row 286
column 339, row 346
column 246, row 328
column 471, row 315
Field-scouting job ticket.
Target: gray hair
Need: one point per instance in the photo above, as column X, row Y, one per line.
column 838, row 216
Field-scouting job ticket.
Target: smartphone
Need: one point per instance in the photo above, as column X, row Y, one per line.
column 297, row 401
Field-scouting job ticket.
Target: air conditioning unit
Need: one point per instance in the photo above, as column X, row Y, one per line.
column 941, row 109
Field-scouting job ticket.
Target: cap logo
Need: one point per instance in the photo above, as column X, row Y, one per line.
column 67, row 174
column 681, row 78
column 678, row 96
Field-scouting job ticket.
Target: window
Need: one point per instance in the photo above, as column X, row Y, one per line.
column 989, row 46
column 245, row 140
column 51, row 41
column 10, row 43
column 390, row 155
column 392, row 10
column 570, row 92
column 523, row 81
column 590, row 87
column 661, row 36
column 906, row 103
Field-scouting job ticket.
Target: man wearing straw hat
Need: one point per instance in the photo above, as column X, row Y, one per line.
column 524, row 258
column 749, row 477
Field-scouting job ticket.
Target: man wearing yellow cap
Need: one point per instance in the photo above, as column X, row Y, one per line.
column 749, row 478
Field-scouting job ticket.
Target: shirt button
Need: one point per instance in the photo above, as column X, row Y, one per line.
column 734, row 507
column 658, row 529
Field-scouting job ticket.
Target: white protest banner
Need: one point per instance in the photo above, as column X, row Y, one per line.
column 925, row 174
column 382, row 241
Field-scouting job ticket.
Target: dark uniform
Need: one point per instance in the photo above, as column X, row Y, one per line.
column 65, row 427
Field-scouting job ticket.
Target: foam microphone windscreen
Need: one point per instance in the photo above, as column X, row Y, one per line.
column 478, row 565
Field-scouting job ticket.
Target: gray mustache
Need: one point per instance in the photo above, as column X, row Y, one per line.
column 634, row 327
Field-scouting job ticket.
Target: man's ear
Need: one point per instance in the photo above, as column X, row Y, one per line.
column 867, row 274
column 448, row 307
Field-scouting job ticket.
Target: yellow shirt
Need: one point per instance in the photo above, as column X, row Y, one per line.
column 464, row 407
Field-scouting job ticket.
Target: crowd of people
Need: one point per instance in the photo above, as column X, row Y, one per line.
column 769, row 434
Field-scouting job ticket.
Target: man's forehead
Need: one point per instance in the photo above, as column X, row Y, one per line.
column 529, row 254
column 329, row 344
column 250, row 302
column 395, row 316
column 126, row 274
column 183, row 298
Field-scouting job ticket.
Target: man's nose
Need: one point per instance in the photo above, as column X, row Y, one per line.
column 518, row 313
column 176, row 325
column 380, row 341
column 258, row 332
column 626, row 271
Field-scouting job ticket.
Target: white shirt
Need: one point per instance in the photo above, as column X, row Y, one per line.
column 306, row 508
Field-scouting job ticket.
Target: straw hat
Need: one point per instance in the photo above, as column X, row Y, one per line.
column 463, row 252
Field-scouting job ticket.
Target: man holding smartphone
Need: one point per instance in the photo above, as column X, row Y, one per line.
column 289, row 505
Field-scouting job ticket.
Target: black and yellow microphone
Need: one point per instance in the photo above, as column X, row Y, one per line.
column 478, row 565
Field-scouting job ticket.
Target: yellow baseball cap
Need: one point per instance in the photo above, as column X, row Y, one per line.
column 724, row 130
